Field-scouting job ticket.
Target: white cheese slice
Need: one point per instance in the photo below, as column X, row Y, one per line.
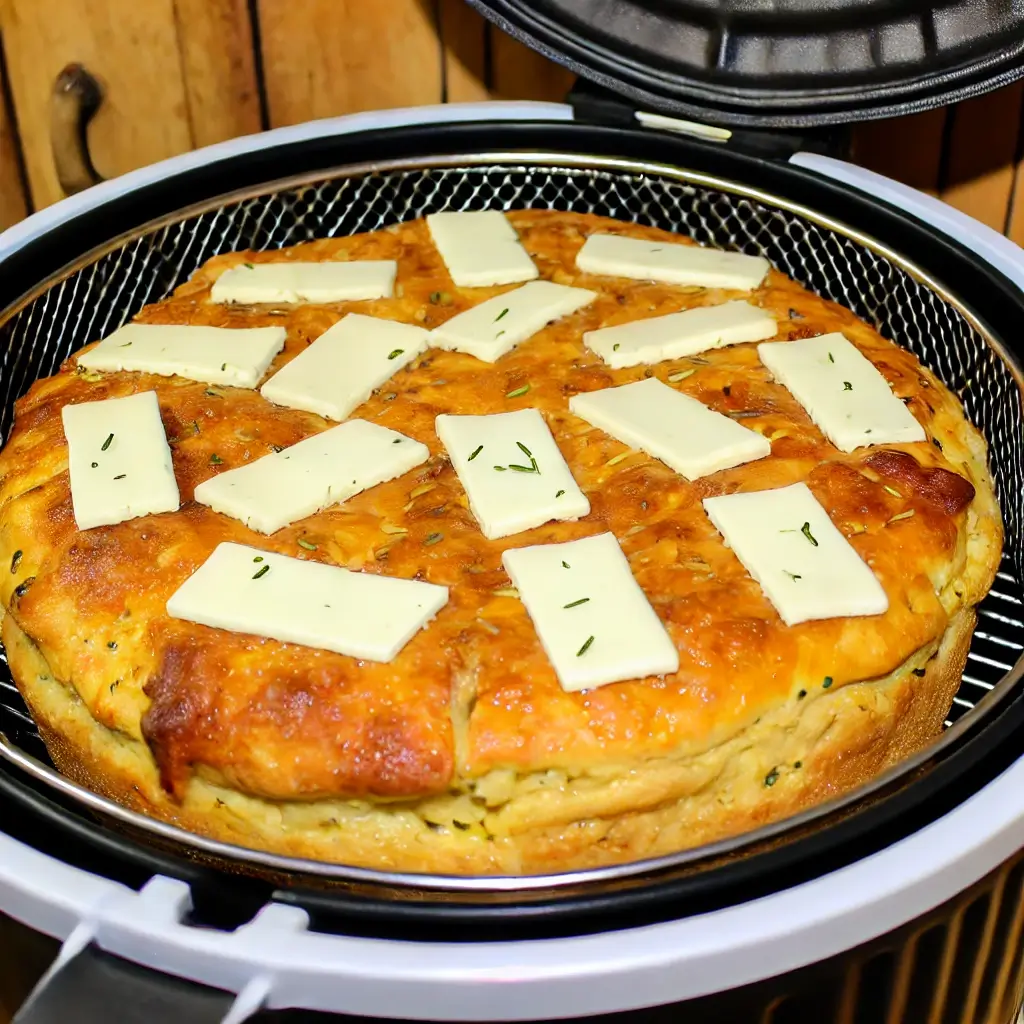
column 119, row 461
column 496, row 326
column 213, row 355
column 681, row 334
column 805, row 566
column 290, row 283
column 341, row 369
column 480, row 249
column 847, row 397
column 320, row 471
column 297, row 601
column 594, row 622
column 513, row 473
column 675, row 428
column 618, row 256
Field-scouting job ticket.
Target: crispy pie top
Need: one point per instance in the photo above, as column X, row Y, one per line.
column 474, row 690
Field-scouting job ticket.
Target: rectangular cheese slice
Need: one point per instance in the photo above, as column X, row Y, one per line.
column 289, row 283
column 480, row 249
column 684, row 434
column 496, row 326
column 618, row 256
column 681, row 334
column 847, row 397
column 513, row 473
column 343, row 367
column 805, row 566
column 297, row 601
column 119, row 460
column 593, row 620
column 213, row 355
column 320, row 471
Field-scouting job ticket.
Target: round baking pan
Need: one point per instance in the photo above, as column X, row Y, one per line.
column 87, row 274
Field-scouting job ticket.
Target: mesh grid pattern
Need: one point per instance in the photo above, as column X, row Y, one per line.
column 99, row 298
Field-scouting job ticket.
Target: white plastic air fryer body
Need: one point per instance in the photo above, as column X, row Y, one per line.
column 276, row 961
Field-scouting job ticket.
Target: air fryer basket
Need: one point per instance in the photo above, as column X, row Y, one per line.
column 108, row 287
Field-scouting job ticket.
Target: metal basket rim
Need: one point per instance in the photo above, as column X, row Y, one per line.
column 519, row 159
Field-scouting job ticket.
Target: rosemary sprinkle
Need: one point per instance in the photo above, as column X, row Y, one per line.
column 395, row 353
column 576, row 604
column 518, row 392
column 106, row 444
column 675, row 378
column 901, row 515
column 303, row 543
column 806, row 531
column 261, row 572
column 476, row 452
column 586, row 647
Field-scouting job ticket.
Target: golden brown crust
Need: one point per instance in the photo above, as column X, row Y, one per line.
column 839, row 740
column 468, row 723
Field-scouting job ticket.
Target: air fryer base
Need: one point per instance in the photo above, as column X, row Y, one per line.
column 962, row 963
column 957, row 963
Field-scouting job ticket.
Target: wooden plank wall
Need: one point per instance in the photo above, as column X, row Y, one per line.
column 184, row 73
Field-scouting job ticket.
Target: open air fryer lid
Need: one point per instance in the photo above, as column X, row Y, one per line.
column 776, row 63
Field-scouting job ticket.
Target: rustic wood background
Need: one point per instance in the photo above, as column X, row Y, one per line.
column 177, row 74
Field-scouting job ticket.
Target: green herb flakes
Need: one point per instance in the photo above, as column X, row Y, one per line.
column 395, row 353
column 675, row 378
column 565, row 565
column 826, row 683
column 891, row 490
column 586, row 647
column 216, row 460
column 307, row 545
column 558, row 494
column 258, row 558
column 16, row 560
column 501, row 315
column 261, row 572
column 476, row 452
column 576, row 604
column 792, row 575
column 432, row 539
column 526, row 451
column 806, row 531
column 94, row 465
column 501, row 469
column 801, row 695
column 120, row 476
column 518, row 392
column 901, row 515
column 847, row 386
column 106, row 444
column 831, row 358
column 248, row 266
column 772, row 777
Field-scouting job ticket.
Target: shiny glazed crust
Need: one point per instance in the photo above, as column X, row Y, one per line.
column 463, row 755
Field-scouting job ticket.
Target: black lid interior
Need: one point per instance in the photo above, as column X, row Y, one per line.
column 776, row 63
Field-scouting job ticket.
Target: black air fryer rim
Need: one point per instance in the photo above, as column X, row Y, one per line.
column 962, row 771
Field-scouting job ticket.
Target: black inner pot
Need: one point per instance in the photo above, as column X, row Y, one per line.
column 136, row 248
